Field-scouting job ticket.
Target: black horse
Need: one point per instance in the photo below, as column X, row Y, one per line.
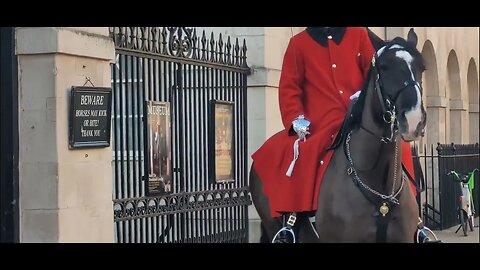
column 365, row 197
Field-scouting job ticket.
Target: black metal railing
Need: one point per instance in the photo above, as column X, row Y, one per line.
column 428, row 200
column 462, row 159
column 439, row 201
column 173, row 64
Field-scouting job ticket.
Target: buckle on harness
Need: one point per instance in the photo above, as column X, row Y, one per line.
column 291, row 220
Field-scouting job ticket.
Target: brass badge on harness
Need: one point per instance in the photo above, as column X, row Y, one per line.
column 384, row 209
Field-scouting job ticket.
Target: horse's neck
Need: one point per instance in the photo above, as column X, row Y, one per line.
column 373, row 158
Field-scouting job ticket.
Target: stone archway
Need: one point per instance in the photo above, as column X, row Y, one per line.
column 433, row 98
column 473, row 96
column 435, row 104
column 457, row 113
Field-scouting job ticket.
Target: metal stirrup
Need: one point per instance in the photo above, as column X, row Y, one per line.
column 288, row 228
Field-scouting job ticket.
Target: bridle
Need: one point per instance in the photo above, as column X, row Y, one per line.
column 387, row 104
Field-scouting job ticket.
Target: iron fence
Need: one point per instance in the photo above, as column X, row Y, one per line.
column 439, row 201
column 173, row 64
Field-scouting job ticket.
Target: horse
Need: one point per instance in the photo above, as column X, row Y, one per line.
column 365, row 197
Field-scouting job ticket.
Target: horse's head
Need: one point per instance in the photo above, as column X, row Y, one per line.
column 398, row 67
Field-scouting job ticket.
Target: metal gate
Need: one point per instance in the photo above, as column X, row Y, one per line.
column 173, row 64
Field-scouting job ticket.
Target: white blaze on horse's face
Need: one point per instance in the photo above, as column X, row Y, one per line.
column 414, row 116
column 380, row 51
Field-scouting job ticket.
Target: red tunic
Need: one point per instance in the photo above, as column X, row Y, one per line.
column 316, row 81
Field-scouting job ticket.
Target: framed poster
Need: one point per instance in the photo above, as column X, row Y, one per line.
column 221, row 138
column 159, row 153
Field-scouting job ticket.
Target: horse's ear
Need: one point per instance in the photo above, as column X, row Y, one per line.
column 412, row 37
column 377, row 42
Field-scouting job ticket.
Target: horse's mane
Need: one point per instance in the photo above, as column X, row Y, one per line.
column 355, row 117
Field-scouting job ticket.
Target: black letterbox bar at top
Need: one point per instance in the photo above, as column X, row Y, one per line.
column 90, row 117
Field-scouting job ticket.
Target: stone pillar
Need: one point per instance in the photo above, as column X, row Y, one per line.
column 436, row 111
column 65, row 195
column 264, row 119
column 393, row 32
column 473, row 123
column 458, row 129
column 436, row 107
column 379, row 31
